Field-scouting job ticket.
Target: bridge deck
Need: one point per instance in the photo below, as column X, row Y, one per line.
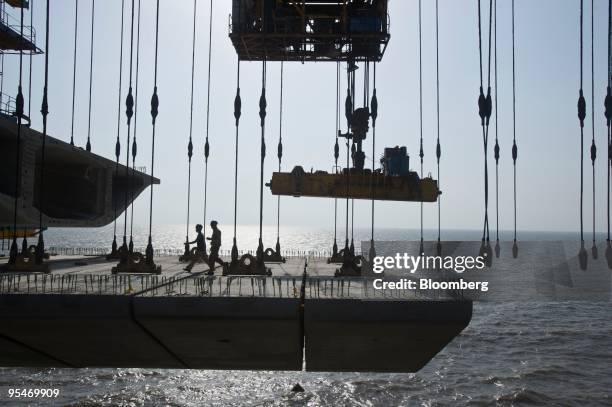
column 78, row 274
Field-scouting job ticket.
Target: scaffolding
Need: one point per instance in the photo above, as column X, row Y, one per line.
column 11, row 39
column 8, row 103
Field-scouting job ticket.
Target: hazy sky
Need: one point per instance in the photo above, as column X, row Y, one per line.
column 547, row 90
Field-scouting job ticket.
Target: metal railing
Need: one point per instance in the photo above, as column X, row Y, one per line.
column 202, row 285
column 230, row 286
column 102, row 251
column 362, row 288
column 8, row 104
column 100, row 284
column 199, row 285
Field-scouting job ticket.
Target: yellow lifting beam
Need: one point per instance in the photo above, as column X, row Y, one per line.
column 361, row 185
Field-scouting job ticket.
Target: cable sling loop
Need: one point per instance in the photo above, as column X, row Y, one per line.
column 581, row 117
column 280, row 155
column 74, row 63
column 118, row 141
column 44, row 110
column 438, row 147
column 593, row 146
column 134, row 144
column 154, row 113
column 421, row 153
column 91, row 58
column 262, row 115
column 484, row 110
column 206, row 144
column 129, row 113
column 190, row 144
column 19, row 111
column 237, row 114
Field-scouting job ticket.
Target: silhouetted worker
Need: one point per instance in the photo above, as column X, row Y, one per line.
column 200, row 248
column 215, row 245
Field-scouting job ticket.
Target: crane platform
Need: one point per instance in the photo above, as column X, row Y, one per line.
column 309, row 30
column 355, row 184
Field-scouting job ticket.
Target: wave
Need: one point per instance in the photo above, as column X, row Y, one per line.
column 525, row 396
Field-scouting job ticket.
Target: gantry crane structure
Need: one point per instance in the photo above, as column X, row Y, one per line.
column 310, row 30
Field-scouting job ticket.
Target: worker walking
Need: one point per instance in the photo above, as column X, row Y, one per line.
column 215, row 245
column 200, row 252
column 200, row 248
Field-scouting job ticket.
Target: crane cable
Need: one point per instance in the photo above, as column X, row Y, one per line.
column 608, row 114
column 91, row 57
column 438, row 147
column 336, row 156
column 262, row 115
column 134, row 144
column 206, row 144
column 19, row 106
column 74, row 63
column 280, row 155
column 237, row 114
column 31, row 6
column 190, row 144
column 421, row 153
column 593, row 146
column 44, row 110
column 24, row 245
column 348, row 112
column 496, row 148
column 154, row 113
column 374, row 114
column 118, row 141
column 352, row 155
column 1, row 92
column 581, row 116
column 484, row 111
column 129, row 113
column 1, row 71
column 514, row 145
column 366, row 103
